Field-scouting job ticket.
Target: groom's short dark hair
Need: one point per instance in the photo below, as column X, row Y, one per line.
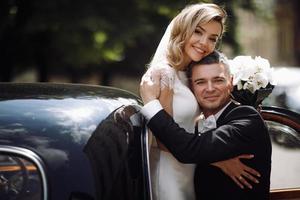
column 212, row 58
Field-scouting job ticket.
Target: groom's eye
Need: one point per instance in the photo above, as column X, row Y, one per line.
column 219, row 80
column 199, row 82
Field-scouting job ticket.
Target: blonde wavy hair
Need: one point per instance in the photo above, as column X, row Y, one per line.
column 185, row 24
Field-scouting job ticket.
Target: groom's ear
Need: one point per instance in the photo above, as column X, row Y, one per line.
column 231, row 83
column 191, row 84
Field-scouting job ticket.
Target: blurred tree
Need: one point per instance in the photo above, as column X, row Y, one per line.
column 76, row 37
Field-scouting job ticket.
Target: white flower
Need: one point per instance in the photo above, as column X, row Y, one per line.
column 251, row 74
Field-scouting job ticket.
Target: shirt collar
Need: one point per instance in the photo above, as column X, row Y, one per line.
column 218, row 114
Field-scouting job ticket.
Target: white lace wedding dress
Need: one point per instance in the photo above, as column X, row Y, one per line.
column 172, row 180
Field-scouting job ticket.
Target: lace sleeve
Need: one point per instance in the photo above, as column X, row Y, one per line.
column 167, row 76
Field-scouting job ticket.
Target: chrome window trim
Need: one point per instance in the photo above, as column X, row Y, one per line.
column 283, row 128
column 146, row 136
column 32, row 157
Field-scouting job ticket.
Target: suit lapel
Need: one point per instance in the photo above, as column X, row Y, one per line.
column 225, row 112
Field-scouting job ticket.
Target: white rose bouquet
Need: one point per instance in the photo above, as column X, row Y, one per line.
column 252, row 79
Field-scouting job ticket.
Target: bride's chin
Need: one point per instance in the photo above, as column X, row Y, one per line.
column 199, row 56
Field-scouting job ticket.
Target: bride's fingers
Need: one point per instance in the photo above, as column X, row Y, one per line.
column 250, row 177
column 146, row 78
column 151, row 78
column 252, row 171
column 246, row 168
column 246, row 156
column 243, row 181
column 155, row 76
column 237, row 181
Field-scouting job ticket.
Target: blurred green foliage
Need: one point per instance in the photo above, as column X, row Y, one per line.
column 75, row 37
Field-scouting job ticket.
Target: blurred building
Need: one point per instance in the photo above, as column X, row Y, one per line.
column 273, row 31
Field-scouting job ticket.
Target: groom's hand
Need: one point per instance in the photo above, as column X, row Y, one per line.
column 150, row 87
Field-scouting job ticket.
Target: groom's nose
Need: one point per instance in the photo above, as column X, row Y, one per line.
column 209, row 86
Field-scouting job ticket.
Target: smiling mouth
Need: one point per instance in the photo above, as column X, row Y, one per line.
column 199, row 50
column 211, row 97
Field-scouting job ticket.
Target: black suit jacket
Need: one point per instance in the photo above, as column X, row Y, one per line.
column 240, row 130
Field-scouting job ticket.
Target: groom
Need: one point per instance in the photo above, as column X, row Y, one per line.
column 239, row 130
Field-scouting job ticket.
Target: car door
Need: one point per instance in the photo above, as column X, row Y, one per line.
column 118, row 152
column 284, row 127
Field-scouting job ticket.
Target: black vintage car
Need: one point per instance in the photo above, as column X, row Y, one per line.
column 77, row 142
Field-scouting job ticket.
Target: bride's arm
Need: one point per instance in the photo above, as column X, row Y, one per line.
column 167, row 76
column 166, row 100
column 238, row 171
column 166, row 95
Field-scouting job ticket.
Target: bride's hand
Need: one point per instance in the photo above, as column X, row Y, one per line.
column 150, row 86
column 237, row 171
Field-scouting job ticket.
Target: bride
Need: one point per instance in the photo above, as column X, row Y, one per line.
column 191, row 35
